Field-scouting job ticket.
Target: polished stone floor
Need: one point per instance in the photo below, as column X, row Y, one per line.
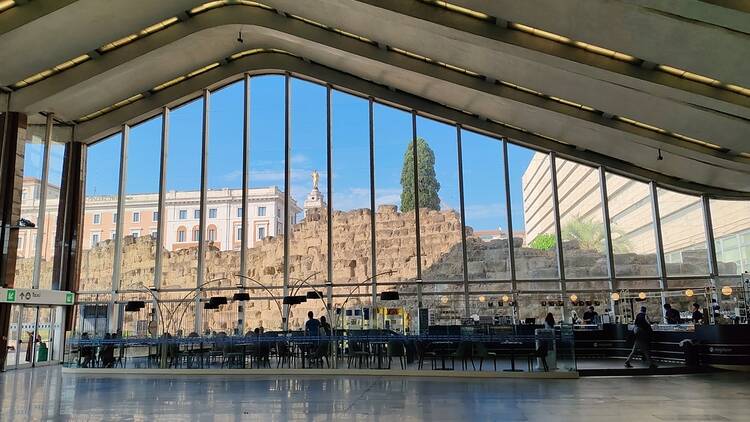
column 46, row 394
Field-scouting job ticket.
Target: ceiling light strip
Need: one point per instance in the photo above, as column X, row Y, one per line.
column 694, row 77
column 6, row 4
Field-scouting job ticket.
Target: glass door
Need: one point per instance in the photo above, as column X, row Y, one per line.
column 45, row 346
column 13, row 345
column 26, row 332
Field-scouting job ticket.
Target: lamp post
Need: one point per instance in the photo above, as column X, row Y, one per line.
column 195, row 292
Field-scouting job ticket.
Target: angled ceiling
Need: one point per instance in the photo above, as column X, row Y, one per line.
column 611, row 82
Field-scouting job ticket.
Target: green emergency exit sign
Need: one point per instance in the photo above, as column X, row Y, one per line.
column 11, row 296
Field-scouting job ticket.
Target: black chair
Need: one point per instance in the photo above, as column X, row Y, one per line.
column 322, row 352
column 463, row 352
column 283, row 354
column 357, row 352
column 397, row 349
column 424, row 353
column 541, row 353
column 481, row 352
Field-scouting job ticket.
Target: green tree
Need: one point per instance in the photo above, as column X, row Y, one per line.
column 543, row 241
column 590, row 235
column 428, row 184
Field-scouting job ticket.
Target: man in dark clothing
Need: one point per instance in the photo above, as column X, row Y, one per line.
column 312, row 326
column 642, row 342
column 671, row 315
column 697, row 314
column 589, row 317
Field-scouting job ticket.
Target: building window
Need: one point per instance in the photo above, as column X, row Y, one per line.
column 114, row 217
column 153, row 234
column 196, row 234
column 97, row 218
column 155, row 216
column 181, row 235
column 239, row 234
column 94, row 239
column 212, row 213
column 261, row 233
column 239, row 212
column 261, row 211
column 211, row 235
column 135, row 235
column 136, row 217
column 197, row 214
column 112, row 234
column 183, row 215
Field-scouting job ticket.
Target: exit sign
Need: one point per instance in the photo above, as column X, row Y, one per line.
column 37, row 297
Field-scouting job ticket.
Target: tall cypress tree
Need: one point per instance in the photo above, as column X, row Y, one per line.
column 428, row 184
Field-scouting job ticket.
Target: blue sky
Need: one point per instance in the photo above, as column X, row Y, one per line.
column 484, row 188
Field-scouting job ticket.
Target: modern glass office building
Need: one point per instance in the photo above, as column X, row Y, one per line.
column 217, row 167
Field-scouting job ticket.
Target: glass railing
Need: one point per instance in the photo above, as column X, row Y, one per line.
column 545, row 350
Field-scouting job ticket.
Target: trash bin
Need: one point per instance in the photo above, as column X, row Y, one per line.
column 551, row 348
column 690, row 353
column 41, row 355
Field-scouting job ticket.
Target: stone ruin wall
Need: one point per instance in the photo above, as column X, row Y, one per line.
column 395, row 249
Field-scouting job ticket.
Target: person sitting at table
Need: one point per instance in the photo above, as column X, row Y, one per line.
column 672, row 316
column 697, row 314
column 574, row 318
column 325, row 325
column 312, row 326
column 549, row 321
column 589, row 317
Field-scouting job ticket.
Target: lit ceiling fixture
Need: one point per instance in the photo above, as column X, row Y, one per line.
column 6, row 4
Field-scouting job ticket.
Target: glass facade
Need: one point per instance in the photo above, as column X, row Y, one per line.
column 459, row 222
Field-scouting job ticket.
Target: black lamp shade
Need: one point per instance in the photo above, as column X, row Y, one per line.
column 134, row 306
column 294, row 300
column 242, row 297
column 389, row 295
column 218, row 300
column 209, row 305
column 312, row 294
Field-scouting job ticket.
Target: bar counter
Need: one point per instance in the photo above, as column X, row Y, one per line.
column 715, row 345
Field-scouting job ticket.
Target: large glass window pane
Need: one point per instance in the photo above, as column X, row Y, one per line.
column 183, row 184
column 393, row 140
column 352, row 257
column 224, row 197
column 141, row 200
column 439, row 207
column 61, row 135
column 100, row 205
column 308, row 247
column 632, row 224
column 265, row 206
column 731, row 223
column 581, row 226
column 487, row 237
column 683, row 233
column 31, row 194
column 532, row 213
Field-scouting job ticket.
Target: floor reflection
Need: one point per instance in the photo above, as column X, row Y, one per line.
column 46, row 394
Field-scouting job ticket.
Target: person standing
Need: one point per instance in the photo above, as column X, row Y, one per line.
column 643, row 332
column 672, row 316
column 549, row 321
column 697, row 314
column 312, row 326
column 325, row 325
column 589, row 317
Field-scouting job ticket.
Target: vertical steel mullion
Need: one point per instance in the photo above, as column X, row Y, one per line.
column 245, row 186
column 200, row 279
column 373, row 240
column 713, row 262
column 416, row 205
column 558, row 230
column 160, row 226
column 464, row 254
column 287, row 169
column 658, row 236
column 40, row 223
column 509, row 217
column 607, row 234
column 329, row 209
column 117, row 259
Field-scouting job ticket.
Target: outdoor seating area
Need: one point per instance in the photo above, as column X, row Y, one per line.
column 370, row 349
